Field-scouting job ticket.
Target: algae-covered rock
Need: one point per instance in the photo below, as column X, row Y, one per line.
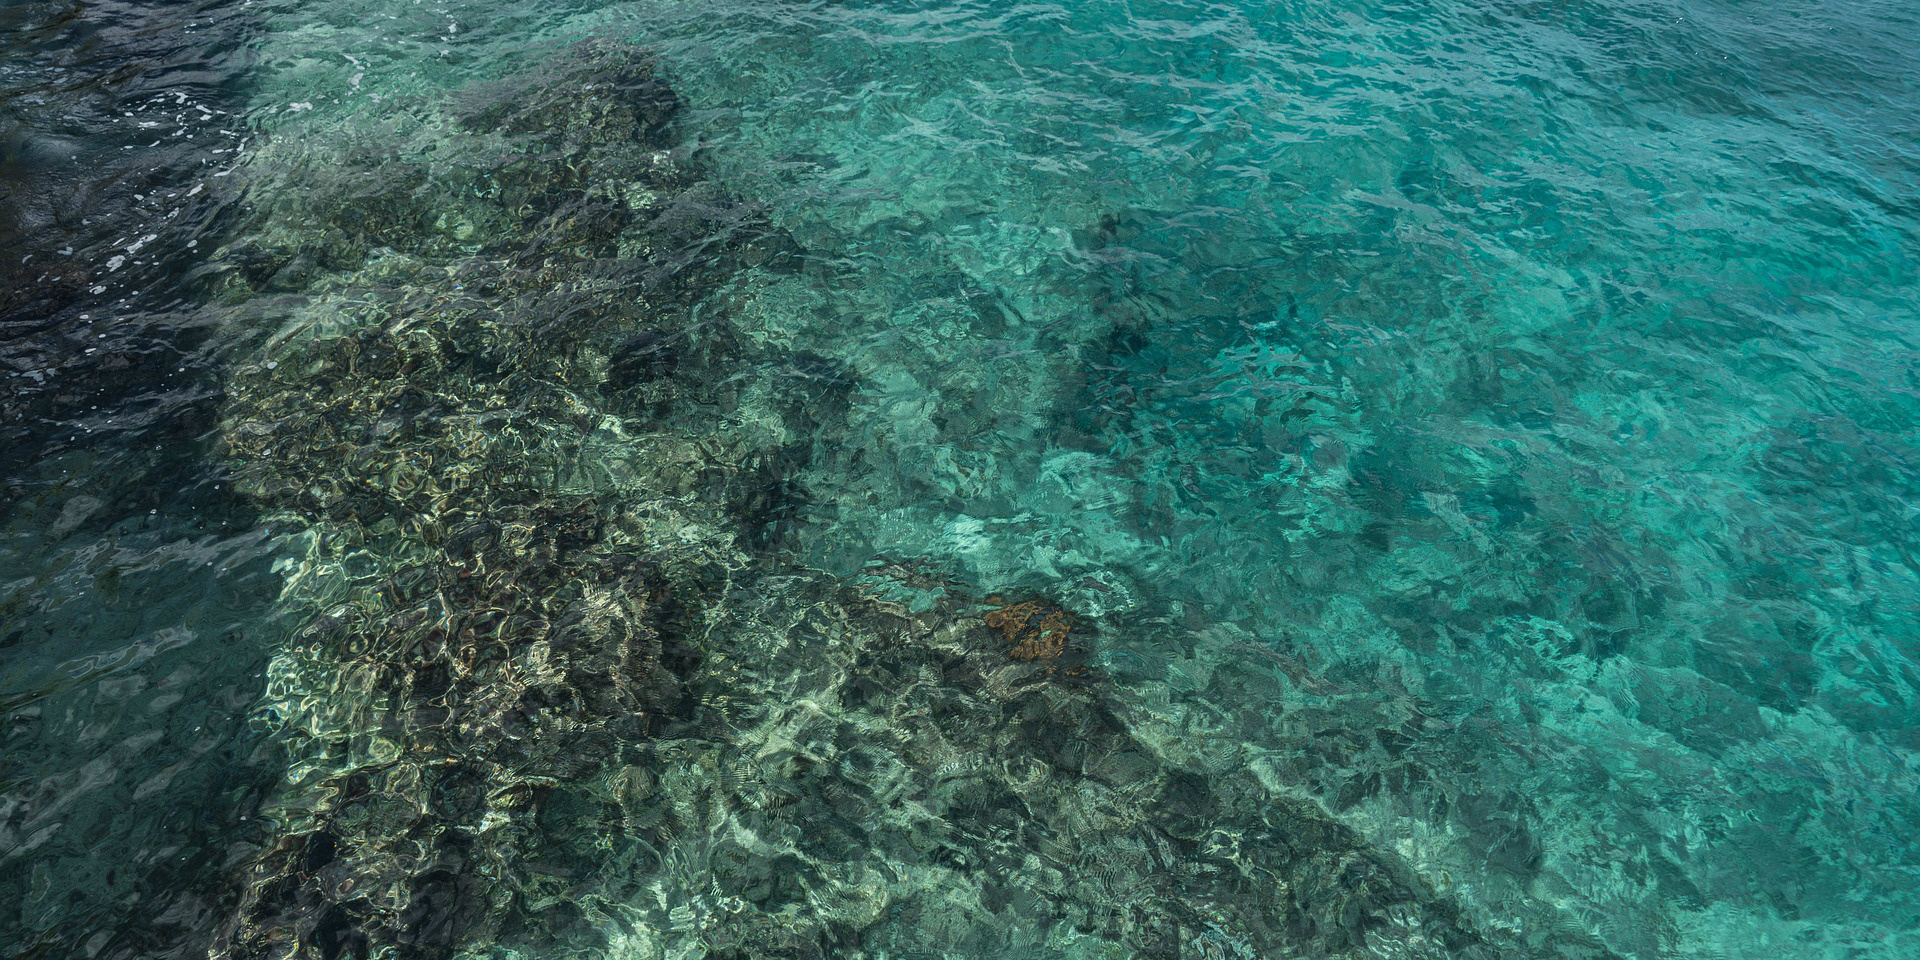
column 1034, row 629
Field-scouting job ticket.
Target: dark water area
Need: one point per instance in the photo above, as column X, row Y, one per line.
column 132, row 582
column 114, row 115
column 895, row 479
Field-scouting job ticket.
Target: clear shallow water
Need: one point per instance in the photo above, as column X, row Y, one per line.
column 1484, row 430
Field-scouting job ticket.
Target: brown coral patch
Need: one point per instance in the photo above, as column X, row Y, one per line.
column 1036, row 629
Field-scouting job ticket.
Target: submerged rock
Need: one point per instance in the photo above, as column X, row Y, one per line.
column 1035, row 629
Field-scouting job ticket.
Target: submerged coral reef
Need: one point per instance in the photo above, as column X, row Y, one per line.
column 488, row 539
column 561, row 693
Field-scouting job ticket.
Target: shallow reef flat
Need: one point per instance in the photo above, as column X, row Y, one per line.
column 437, row 418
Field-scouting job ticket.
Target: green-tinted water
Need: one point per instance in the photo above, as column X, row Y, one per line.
column 889, row 480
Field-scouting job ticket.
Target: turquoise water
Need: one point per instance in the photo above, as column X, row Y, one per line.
column 1472, row 445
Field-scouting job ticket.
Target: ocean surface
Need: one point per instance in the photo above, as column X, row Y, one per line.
column 638, row 479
